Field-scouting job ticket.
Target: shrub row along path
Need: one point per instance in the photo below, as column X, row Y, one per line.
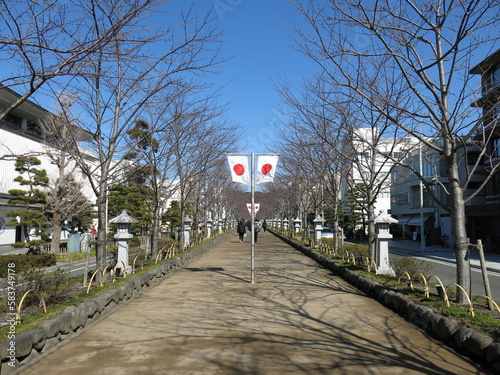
column 297, row 318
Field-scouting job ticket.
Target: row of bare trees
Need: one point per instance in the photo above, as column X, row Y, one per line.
column 111, row 64
column 401, row 69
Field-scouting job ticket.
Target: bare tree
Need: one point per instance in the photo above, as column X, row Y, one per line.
column 199, row 138
column 303, row 168
column 45, row 41
column 340, row 145
column 125, row 77
column 64, row 192
column 426, row 49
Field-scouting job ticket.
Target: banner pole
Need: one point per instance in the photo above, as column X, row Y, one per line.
column 252, row 213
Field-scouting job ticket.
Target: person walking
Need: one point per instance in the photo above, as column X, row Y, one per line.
column 241, row 229
column 264, row 225
column 256, row 230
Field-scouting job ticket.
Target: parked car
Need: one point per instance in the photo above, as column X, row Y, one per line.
column 326, row 233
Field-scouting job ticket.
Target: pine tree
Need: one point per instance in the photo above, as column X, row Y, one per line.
column 173, row 215
column 31, row 202
column 136, row 199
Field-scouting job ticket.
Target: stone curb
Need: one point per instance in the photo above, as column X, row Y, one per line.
column 476, row 346
column 28, row 346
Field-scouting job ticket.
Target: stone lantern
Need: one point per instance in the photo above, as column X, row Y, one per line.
column 382, row 223
column 297, row 224
column 285, row 223
column 123, row 235
column 187, row 228
column 318, row 221
column 209, row 227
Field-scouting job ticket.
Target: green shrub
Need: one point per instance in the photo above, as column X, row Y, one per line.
column 19, row 245
column 413, row 266
column 71, row 257
column 167, row 242
column 24, row 262
column 53, row 286
column 359, row 251
column 137, row 251
column 328, row 241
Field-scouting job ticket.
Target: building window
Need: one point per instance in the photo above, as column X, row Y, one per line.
column 384, row 195
column 491, row 78
column 13, row 120
column 34, row 128
column 415, row 192
column 427, row 168
column 496, row 184
column 496, row 148
column 495, row 115
column 400, row 198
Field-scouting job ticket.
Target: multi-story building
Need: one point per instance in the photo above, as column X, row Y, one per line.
column 20, row 134
column 411, row 202
column 370, row 169
column 483, row 220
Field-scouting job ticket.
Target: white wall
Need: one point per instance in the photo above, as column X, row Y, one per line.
column 12, row 143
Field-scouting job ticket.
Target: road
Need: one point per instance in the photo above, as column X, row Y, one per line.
column 446, row 271
column 75, row 269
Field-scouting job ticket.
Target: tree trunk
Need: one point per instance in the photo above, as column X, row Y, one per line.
column 460, row 240
column 371, row 229
column 56, row 233
column 155, row 235
column 102, row 223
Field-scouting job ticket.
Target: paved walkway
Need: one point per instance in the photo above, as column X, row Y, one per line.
column 296, row 319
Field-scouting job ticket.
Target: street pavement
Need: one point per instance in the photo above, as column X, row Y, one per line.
column 412, row 248
column 208, row 318
column 8, row 249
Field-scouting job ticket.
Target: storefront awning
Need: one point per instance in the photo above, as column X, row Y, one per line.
column 415, row 220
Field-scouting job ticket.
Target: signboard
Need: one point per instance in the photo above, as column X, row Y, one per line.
column 255, row 207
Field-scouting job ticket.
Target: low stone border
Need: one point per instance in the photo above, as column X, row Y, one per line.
column 478, row 347
column 28, row 346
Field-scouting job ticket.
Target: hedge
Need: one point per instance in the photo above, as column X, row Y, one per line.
column 24, row 262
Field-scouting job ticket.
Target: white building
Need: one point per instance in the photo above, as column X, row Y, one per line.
column 20, row 135
column 370, row 166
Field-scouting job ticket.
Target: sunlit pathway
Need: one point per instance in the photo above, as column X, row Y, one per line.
column 296, row 319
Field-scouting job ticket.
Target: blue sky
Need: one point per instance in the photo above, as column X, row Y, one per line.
column 255, row 31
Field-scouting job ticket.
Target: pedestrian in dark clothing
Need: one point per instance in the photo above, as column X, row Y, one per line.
column 241, row 229
column 264, row 225
column 256, row 230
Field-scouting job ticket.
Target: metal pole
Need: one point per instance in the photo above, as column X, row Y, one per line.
column 252, row 213
column 421, row 185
